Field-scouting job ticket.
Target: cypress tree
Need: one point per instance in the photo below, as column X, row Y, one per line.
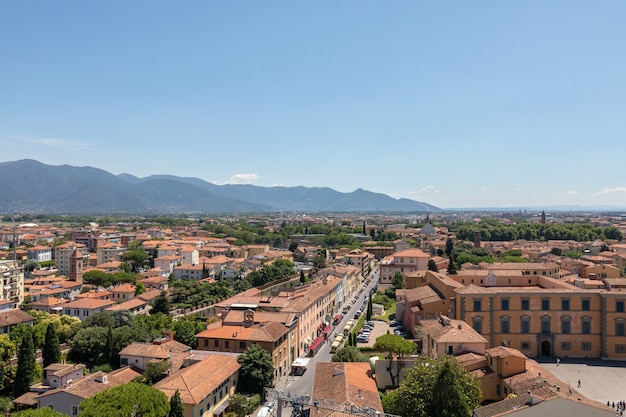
column 370, row 309
column 302, row 278
column 111, row 354
column 25, row 366
column 177, row 409
column 51, row 352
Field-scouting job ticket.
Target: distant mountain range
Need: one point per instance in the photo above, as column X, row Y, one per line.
column 31, row 186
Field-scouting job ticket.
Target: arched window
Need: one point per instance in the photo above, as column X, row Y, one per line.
column 505, row 324
column 477, row 324
column 586, row 325
column 566, row 325
column 525, row 324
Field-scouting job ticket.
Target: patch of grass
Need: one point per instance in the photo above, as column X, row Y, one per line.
column 390, row 313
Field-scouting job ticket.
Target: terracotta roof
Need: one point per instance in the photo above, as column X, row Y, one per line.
column 89, row 303
column 263, row 332
column 345, row 383
column 128, row 305
column 13, row 317
column 62, row 369
column 457, row 331
column 197, row 381
column 88, row 386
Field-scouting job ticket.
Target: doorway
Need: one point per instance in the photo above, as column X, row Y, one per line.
column 545, row 348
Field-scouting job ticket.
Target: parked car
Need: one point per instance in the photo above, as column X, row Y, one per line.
column 362, row 339
column 394, row 323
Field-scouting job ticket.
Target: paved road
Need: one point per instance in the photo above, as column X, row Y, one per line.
column 303, row 385
column 600, row 380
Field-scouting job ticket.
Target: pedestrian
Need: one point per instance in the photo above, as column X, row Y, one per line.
column 579, row 383
column 558, row 361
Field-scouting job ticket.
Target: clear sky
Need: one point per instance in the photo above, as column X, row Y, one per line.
column 454, row 103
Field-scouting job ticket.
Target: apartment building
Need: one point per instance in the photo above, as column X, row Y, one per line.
column 12, row 274
column 109, row 252
column 63, row 254
column 404, row 261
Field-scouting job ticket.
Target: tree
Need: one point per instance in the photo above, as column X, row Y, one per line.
column 435, row 388
column 51, row 352
column 432, row 266
column 88, row 345
column 185, row 330
column 302, row 277
column 177, row 409
column 397, row 281
column 451, row 267
column 257, row 370
column 396, row 346
column 132, row 399
column 161, row 304
column 449, row 247
column 239, row 405
column 293, row 246
column 370, row 309
column 349, row 354
column 25, row 366
column 139, row 288
column 135, row 257
column 39, row 412
column 30, row 265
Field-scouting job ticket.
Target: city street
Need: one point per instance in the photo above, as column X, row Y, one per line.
column 303, row 385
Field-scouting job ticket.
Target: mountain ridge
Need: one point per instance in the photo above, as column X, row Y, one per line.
column 28, row 185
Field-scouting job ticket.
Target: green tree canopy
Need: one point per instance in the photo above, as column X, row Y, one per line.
column 132, row 399
column 51, row 352
column 395, row 346
column 257, row 370
column 435, row 388
column 397, row 280
column 38, row 412
column 25, row 366
column 432, row 266
column 160, row 304
column 185, row 330
column 349, row 354
column 177, row 409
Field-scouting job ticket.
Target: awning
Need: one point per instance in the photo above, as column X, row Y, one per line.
column 326, row 330
column 220, row 409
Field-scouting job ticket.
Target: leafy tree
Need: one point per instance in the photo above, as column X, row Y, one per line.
column 435, row 388
column 38, row 412
column 395, row 346
column 161, row 304
column 397, row 280
column 449, row 247
column 101, row 319
column 257, row 370
column 432, row 266
column 177, row 409
column 51, row 352
column 135, row 257
column 7, row 348
column 139, row 288
column 132, row 399
column 349, row 354
column 452, row 267
column 239, row 405
column 185, row 330
column 88, row 345
column 25, row 366
column 30, row 265
column 155, row 371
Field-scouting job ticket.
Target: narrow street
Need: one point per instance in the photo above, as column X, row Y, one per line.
column 303, row 385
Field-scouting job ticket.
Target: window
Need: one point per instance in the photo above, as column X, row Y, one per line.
column 586, row 304
column 74, row 410
column 545, row 325
column 505, row 325
column 619, row 306
column 505, row 304
column 619, row 327
column 525, row 304
column 586, row 346
column 477, row 305
column 566, row 346
column 565, row 304
column 586, row 325
column 525, row 345
column 227, row 344
column 477, row 324
column 123, row 361
column 545, row 304
column 525, row 327
column 620, row 348
column 498, row 388
column 565, row 325
column 216, row 343
column 242, row 345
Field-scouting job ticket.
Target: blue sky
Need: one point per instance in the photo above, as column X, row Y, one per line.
column 455, row 103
